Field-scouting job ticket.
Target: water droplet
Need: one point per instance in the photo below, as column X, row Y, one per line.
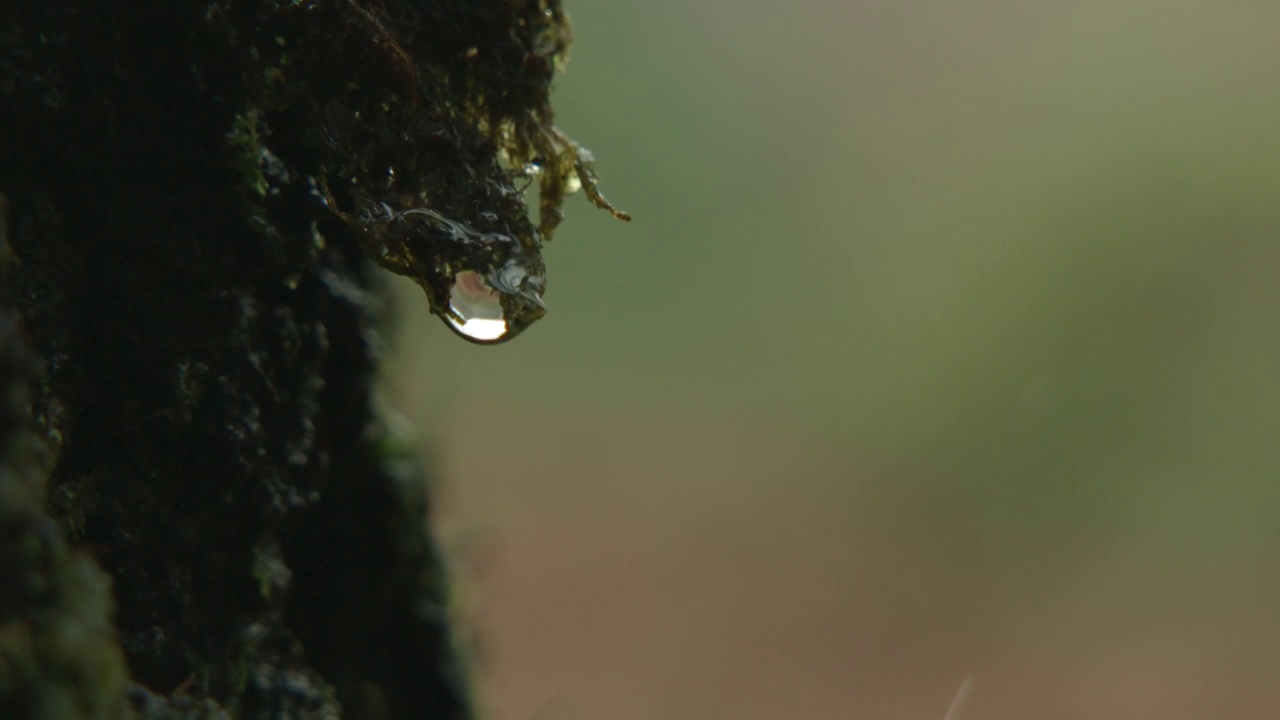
column 475, row 310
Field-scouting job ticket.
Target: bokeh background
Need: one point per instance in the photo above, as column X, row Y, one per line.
column 944, row 345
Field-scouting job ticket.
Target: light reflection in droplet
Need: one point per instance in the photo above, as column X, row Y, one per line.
column 478, row 309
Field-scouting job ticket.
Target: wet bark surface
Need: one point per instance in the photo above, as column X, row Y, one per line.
column 200, row 514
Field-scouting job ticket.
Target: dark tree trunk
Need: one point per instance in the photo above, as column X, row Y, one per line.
column 200, row 514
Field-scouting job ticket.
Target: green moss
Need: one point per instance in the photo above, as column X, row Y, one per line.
column 248, row 156
column 58, row 654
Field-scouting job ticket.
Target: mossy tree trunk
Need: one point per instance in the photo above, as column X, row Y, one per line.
column 200, row 515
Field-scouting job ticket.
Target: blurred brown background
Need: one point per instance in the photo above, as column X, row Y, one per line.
column 944, row 344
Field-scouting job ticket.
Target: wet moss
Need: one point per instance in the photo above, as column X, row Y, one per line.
column 194, row 193
column 58, row 654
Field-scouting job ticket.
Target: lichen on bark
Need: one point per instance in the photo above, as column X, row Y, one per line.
column 196, row 517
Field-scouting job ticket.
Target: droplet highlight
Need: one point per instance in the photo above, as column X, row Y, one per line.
column 475, row 309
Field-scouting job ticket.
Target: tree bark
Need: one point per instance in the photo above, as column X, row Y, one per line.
column 200, row 513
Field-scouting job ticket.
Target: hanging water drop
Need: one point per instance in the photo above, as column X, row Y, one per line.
column 573, row 184
column 475, row 309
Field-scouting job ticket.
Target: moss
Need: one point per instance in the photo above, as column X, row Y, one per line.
column 193, row 193
column 58, row 655
column 249, row 156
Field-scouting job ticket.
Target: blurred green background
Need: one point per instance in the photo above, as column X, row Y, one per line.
column 944, row 344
